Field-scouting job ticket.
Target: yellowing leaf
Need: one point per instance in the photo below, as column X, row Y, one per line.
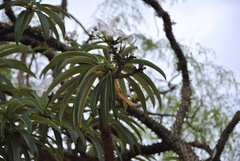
column 123, row 98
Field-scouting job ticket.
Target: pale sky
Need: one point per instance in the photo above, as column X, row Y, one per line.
column 213, row 23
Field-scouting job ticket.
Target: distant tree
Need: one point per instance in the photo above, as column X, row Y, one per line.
column 100, row 100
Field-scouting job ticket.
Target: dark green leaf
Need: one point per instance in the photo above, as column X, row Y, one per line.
column 104, row 102
column 9, row 49
column 21, row 24
column 148, row 63
column 56, row 9
column 98, row 147
column 55, row 17
column 44, row 23
column 139, row 92
column 13, row 148
column 28, row 139
column 18, row 65
column 79, row 105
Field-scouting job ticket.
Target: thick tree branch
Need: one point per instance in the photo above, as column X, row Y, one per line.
column 174, row 142
column 7, row 34
column 224, row 137
column 145, row 150
column 182, row 65
column 159, row 129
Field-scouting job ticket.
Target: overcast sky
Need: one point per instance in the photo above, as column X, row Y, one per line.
column 213, row 23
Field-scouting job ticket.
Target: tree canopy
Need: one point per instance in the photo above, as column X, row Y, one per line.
column 112, row 95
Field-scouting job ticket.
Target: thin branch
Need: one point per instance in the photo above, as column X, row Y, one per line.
column 78, row 22
column 201, row 146
column 161, row 115
column 224, row 137
column 9, row 12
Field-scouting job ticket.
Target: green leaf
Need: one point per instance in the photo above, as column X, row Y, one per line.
column 21, row 24
column 82, row 96
column 18, row 65
column 56, row 9
column 152, row 85
column 133, row 124
column 98, row 147
column 25, row 153
column 55, row 17
column 55, row 152
column 142, row 82
column 44, row 120
column 2, row 128
column 13, row 148
column 104, row 102
column 79, row 59
column 27, row 121
column 63, row 56
column 53, row 28
column 9, row 49
column 6, row 80
column 148, row 63
column 28, row 139
column 123, row 90
column 128, row 50
column 112, row 93
column 139, row 92
column 66, row 99
column 22, row 3
column 61, row 77
column 44, row 23
column 64, row 87
column 94, row 98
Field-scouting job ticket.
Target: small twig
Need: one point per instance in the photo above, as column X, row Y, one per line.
column 78, row 22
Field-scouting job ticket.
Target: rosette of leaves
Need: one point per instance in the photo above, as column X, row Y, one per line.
column 47, row 15
column 97, row 81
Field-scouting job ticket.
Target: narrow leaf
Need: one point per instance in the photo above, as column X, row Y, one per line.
column 20, row 25
column 139, row 92
column 44, row 23
column 148, row 63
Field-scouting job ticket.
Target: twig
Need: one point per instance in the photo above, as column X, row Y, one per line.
column 201, row 146
column 78, row 22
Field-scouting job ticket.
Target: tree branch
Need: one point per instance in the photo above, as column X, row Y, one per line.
column 146, row 150
column 182, row 66
column 174, row 142
column 9, row 12
column 7, row 34
column 224, row 137
column 201, row 146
